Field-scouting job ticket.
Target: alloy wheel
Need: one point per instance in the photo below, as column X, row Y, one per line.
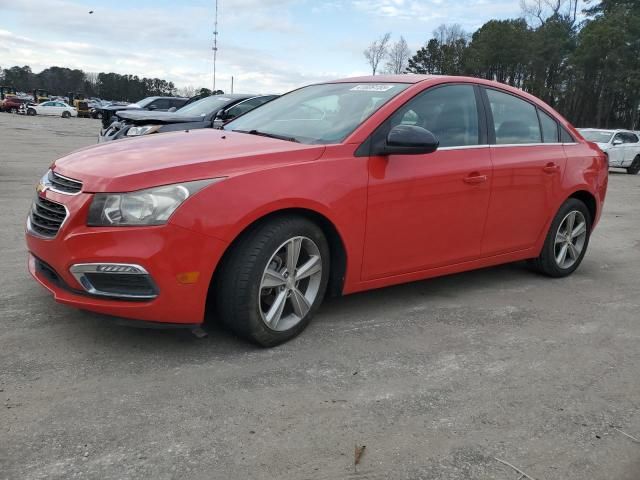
column 290, row 283
column 570, row 239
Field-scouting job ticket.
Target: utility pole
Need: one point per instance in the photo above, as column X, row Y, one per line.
column 215, row 46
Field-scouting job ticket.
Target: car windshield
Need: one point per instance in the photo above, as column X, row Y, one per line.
column 317, row 114
column 599, row 136
column 205, row 106
column 144, row 102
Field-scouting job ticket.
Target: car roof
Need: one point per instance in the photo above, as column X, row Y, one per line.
column 607, row 130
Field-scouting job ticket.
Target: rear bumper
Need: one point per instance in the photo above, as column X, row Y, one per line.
column 180, row 262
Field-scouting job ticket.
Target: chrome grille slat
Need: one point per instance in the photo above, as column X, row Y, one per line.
column 46, row 224
column 63, row 184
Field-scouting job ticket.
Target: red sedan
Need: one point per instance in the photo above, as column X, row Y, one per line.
column 333, row 188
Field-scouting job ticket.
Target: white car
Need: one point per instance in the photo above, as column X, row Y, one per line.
column 56, row 108
column 621, row 146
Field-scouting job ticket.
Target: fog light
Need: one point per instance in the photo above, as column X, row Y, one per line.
column 117, row 280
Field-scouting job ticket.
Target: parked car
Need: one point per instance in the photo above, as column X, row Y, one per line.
column 55, row 108
column 622, row 147
column 209, row 112
column 334, row 188
column 160, row 104
column 13, row 104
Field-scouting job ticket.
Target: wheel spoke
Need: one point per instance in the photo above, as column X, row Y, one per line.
column 573, row 251
column 561, row 257
column 275, row 312
column 571, row 218
column 310, row 267
column 299, row 303
column 293, row 254
column 561, row 238
column 272, row 279
column 579, row 230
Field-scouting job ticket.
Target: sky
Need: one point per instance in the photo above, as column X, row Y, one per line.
column 268, row 46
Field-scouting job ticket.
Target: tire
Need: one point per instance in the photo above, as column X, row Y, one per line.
column 634, row 169
column 551, row 261
column 31, row 112
column 247, row 297
column 66, row 114
column 13, row 110
column 99, row 116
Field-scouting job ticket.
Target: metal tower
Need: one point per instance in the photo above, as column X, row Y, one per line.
column 215, row 46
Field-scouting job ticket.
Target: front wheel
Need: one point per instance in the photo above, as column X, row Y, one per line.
column 13, row 110
column 567, row 240
column 274, row 280
column 31, row 112
column 634, row 169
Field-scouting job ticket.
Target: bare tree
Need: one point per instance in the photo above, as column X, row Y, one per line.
column 376, row 51
column 450, row 34
column 398, row 56
column 187, row 91
column 541, row 10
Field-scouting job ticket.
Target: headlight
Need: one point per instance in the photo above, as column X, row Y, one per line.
column 144, row 130
column 152, row 206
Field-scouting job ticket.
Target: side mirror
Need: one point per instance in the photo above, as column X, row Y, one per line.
column 617, row 142
column 152, row 107
column 408, row 140
column 172, row 109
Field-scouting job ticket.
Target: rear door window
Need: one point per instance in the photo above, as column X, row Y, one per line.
column 514, row 120
column 549, row 128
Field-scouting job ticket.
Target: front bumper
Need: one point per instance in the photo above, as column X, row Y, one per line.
column 179, row 261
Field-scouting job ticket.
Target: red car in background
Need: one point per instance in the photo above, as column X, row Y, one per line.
column 334, row 188
column 13, row 104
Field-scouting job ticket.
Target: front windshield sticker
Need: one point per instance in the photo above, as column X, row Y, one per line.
column 372, row 88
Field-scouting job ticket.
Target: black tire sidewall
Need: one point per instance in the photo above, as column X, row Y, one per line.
column 547, row 262
column 66, row 114
column 634, row 169
column 31, row 112
column 238, row 289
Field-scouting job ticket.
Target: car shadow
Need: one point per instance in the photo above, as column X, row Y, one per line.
column 106, row 332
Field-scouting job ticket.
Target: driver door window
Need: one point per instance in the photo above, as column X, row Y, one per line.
column 449, row 112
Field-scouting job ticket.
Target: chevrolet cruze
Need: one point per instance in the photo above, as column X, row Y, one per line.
column 333, row 188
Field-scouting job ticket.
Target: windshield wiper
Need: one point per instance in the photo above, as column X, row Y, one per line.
column 270, row 135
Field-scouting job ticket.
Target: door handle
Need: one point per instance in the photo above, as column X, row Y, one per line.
column 551, row 168
column 475, row 179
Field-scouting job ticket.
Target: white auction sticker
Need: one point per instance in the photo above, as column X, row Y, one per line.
column 370, row 87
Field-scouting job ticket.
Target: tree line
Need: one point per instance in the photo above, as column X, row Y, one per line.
column 113, row 86
column 589, row 70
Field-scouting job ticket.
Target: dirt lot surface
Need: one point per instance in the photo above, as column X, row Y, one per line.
column 437, row 378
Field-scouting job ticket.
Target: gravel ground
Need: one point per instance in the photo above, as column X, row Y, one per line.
column 436, row 378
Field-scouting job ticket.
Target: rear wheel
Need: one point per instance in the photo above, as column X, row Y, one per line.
column 634, row 169
column 65, row 114
column 274, row 280
column 31, row 111
column 567, row 240
column 13, row 110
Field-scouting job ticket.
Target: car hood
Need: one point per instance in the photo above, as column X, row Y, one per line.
column 145, row 116
column 134, row 164
column 114, row 108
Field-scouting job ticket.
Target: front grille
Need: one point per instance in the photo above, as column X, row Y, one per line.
column 46, row 217
column 64, row 184
column 122, row 284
